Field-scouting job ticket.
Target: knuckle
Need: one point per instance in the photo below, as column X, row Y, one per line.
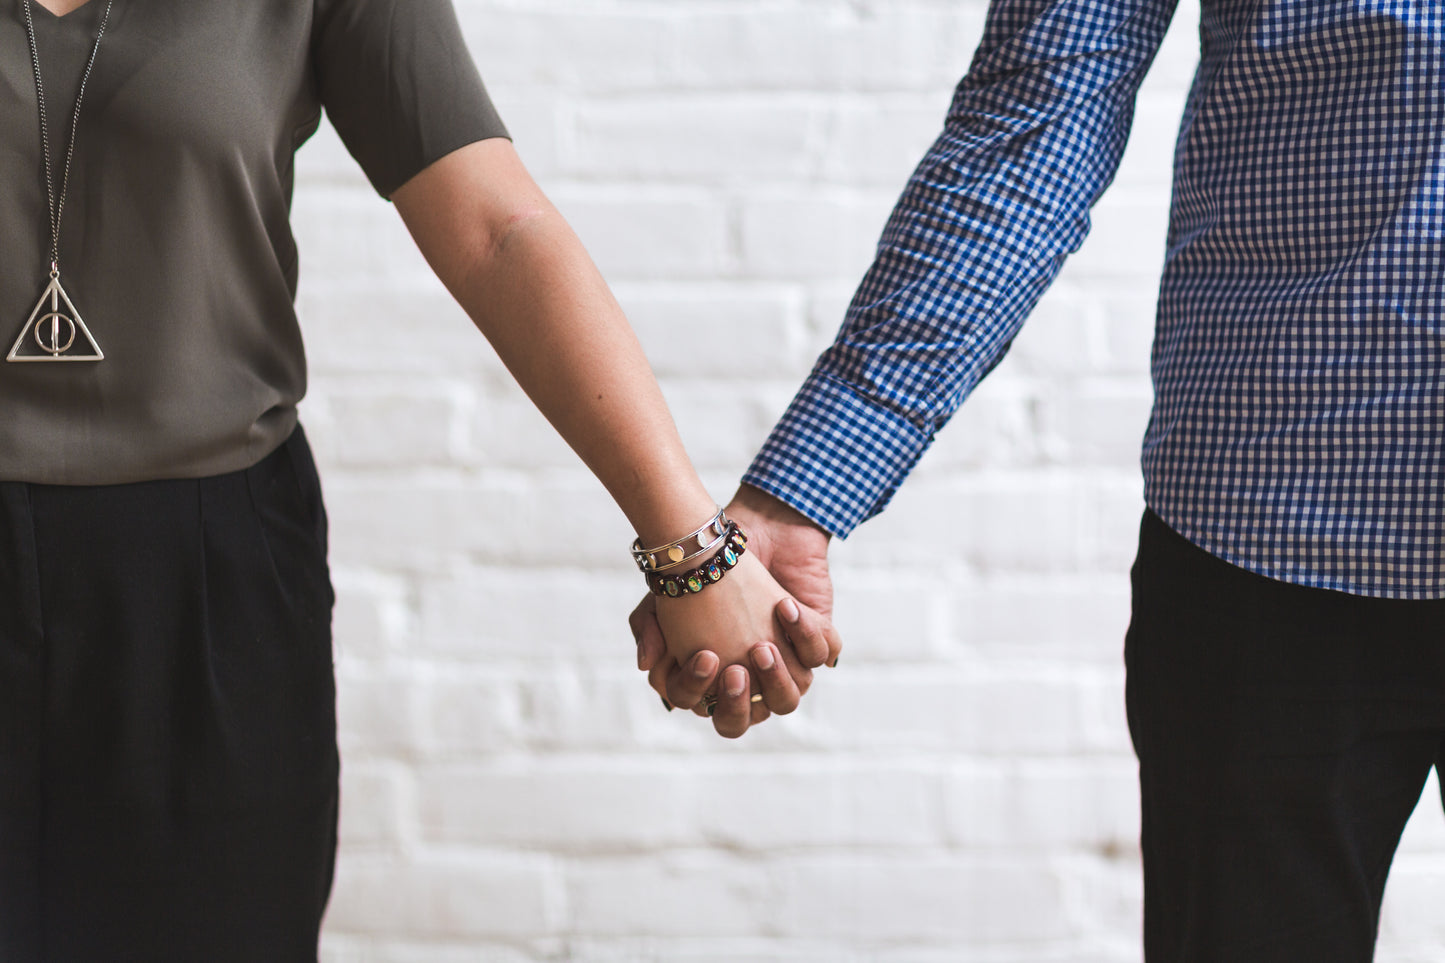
column 811, row 655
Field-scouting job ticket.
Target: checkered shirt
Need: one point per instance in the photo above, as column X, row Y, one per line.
column 1299, row 407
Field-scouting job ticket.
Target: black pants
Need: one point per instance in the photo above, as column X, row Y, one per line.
column 1284, row 736
column 168, row 765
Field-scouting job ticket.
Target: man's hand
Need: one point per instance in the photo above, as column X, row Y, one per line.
column 795, row 551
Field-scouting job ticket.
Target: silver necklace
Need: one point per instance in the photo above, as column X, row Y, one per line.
column 55, row 331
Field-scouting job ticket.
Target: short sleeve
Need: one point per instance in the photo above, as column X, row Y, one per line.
column 399, row 85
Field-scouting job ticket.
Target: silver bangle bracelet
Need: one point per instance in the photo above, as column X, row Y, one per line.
column 711, row 548
column 676, row 553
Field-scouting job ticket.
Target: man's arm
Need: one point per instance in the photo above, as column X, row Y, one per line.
column 1034, row 135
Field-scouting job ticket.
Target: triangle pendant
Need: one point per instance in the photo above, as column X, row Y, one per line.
column 55, row 331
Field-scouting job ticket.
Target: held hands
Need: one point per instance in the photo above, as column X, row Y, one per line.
column 746, row 636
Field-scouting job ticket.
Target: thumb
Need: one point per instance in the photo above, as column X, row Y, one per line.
column 647, row 633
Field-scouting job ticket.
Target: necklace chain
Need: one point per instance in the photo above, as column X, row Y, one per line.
column 56, row 207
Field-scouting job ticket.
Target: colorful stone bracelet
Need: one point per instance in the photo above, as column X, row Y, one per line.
column 713, row 570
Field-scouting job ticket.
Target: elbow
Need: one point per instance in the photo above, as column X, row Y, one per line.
column 506, row 230
column 498, row 235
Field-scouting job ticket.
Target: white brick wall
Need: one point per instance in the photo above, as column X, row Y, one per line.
column 962, row 788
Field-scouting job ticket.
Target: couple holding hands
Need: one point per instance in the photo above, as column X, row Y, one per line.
column 168, row 762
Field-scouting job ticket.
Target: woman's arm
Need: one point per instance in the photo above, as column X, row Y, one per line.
column 519, row 271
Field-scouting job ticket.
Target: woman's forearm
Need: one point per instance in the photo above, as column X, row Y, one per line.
column 520, row 272
column 545, row 308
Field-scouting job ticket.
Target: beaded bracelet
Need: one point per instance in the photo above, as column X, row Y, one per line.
column 677, row 553
column 676, row 586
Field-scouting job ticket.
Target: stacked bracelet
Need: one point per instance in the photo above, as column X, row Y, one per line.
column 735, row 543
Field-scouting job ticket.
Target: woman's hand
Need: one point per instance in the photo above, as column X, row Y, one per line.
column 729, row 645
column 795, row 553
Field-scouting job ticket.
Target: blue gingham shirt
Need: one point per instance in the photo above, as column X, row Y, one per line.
column 1298, row 427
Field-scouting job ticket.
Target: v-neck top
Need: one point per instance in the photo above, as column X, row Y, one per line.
column 176, row 246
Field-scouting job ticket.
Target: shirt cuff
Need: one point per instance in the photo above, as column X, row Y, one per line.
column 837, row 456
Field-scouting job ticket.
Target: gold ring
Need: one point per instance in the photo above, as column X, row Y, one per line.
column 709, row 701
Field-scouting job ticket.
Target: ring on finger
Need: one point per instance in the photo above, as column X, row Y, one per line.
column 709, row 701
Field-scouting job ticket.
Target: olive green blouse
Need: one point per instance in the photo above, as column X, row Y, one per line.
column 176, row 244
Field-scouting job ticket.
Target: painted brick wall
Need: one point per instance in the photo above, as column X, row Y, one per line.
column 962, row 788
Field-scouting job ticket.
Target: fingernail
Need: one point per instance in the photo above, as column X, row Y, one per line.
column 834, row 663
column 701, row 667
column 737, row 683
column 790, row 611
column 667, row 705
column 763, row 657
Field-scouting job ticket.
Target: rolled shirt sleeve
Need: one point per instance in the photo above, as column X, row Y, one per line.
column 399, row 85
column 1033, row 137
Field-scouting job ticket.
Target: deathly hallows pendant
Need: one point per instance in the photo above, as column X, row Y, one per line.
column 55, row 331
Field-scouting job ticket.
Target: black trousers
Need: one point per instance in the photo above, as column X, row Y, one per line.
column 1284, row 736
column 168, row 763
